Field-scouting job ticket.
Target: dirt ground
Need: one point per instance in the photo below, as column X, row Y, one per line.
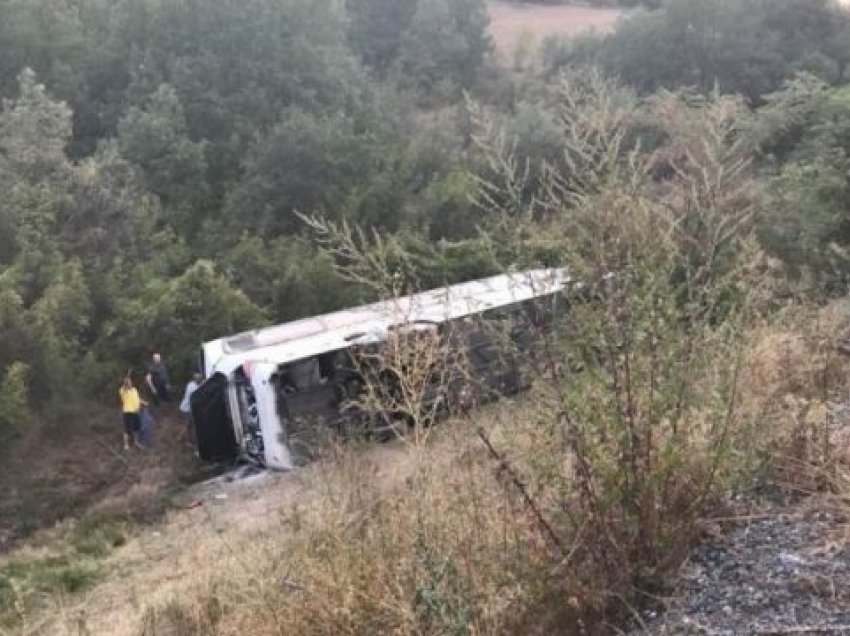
column 212, row 524
column 509, row 22
column 209, row 527
column 76, row 464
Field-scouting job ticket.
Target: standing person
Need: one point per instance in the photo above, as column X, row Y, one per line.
column 186, row 406
column 146, row 432
column 158, row 381
column 131, row 406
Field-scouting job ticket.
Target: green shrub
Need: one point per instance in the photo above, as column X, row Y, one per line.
column 14, row 400
column 97, row 537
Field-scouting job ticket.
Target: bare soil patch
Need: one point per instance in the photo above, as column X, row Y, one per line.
column 511, row 21
column 75, row 464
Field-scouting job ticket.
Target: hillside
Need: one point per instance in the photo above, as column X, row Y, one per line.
column 352, row 539
column 75, row 466
column 153, row 576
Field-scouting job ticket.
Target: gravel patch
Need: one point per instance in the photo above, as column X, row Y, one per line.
column 783, row 573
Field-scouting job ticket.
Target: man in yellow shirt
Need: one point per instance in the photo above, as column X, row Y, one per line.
column 131, row 406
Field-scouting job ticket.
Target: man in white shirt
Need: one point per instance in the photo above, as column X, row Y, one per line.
column 186, row 406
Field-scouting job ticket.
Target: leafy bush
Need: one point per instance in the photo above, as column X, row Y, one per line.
column 174, row 316
column 14, row 400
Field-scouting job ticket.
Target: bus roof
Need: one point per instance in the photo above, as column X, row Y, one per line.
column 313, row 336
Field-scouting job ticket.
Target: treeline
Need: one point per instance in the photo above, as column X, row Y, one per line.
column 741, row 46
column 157, row 156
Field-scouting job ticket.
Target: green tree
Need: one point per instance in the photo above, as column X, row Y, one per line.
column 445, row 45
column 59, row 323
column 376, row 28
column 175, row 316
column 13, row 323
column 746, row 46
column 34, row 170
column 289, row 276
column 110, row 217
column 305, row 163
column 174, row 167
column 236, row 64
column 804, row 133
column 14, row 400
column 34, row 131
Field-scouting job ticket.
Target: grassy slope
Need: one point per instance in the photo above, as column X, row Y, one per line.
column 225, row 540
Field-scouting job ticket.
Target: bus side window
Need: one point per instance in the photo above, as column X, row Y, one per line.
column 327, row 366
column 287, row 379
column 306, row 374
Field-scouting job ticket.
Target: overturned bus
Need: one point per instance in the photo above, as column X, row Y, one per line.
column 266, row 390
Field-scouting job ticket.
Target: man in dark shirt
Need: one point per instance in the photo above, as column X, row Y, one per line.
column 158, row 380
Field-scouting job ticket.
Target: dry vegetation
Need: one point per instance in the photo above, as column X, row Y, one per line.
column 796, row 378
column 513, row 24
column 423, row 538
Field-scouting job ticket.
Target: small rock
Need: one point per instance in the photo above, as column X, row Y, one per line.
column 791, row 559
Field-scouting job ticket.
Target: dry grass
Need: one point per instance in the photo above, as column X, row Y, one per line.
column 796, row 383
column 399, row 538
column 448, row 545
column 513, row 24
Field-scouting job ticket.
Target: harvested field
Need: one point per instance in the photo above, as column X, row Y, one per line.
column 510, row 21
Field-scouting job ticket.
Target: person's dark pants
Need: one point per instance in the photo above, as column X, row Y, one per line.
column 160, row 394
column 132, row 423
column 146, row 430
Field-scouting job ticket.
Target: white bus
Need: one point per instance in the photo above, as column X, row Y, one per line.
column 258, row 384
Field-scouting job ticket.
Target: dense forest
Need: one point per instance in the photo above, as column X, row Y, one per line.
column 160, row 159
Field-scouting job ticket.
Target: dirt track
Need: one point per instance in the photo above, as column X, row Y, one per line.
column 509, row 21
